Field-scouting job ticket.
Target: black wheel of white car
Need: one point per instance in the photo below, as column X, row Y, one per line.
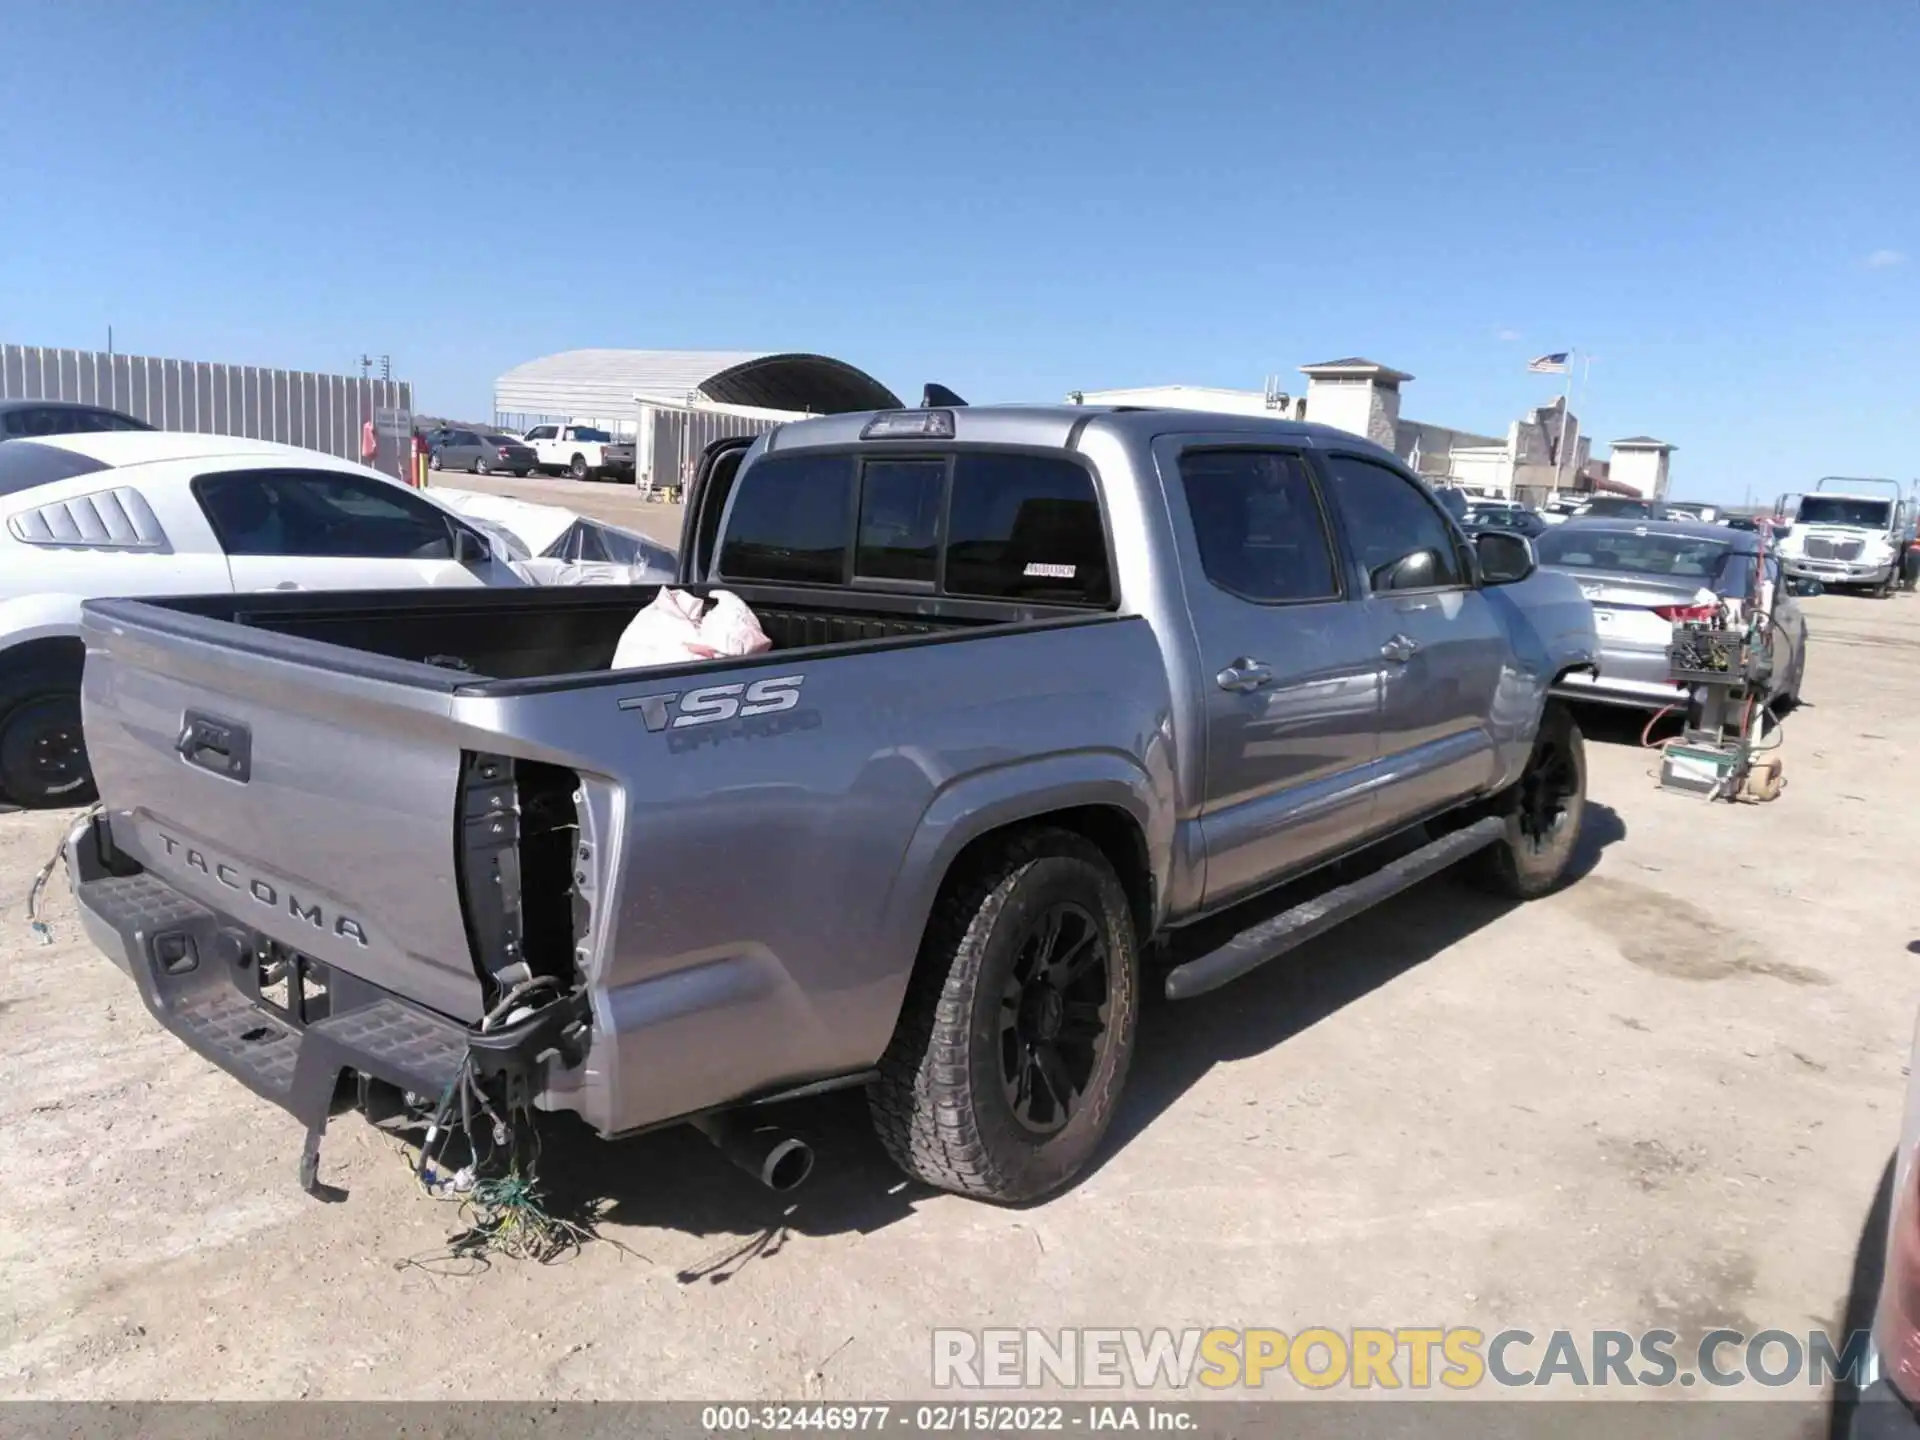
column 1543, row 813
column 578, row 468
column 43, row 752
column 1018, row 1026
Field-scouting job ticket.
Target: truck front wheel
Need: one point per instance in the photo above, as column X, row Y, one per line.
column 1013, row 1044
column 1542, row 812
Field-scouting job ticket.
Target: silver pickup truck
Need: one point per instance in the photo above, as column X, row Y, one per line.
column 1046, row 685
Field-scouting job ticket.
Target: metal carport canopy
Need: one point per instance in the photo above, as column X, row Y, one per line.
column 604, row 382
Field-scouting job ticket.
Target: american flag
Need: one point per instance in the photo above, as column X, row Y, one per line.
column 1549, row 364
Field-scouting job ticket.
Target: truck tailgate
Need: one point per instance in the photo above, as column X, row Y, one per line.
column 314, row 803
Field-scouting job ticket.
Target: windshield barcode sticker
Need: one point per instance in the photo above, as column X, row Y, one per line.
column 1050, row 572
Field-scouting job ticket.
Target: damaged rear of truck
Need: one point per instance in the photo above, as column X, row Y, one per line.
column 425, row 854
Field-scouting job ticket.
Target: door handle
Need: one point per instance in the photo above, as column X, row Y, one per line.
column 1243, row 675
column 1400, row 649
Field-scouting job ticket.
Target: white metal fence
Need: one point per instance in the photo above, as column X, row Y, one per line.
column 293, row 407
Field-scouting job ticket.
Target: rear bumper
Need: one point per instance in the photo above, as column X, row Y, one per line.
column 1611, row 687
column 199, row 974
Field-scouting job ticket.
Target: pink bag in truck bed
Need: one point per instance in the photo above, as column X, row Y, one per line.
column 678, row 627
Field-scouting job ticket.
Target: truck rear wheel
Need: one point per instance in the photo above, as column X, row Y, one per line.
column 578, row 469
column 1543, row 813
column 1018, row 1026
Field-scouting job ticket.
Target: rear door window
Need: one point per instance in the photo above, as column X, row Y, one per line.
column 900, row 520
column 1026, row 527
column 790, row 520
column 321, row 513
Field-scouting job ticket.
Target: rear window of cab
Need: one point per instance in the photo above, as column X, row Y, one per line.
column 985, row 524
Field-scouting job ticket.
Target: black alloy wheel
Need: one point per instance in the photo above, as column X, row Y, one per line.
column 1547, row 789
column 1053, row 1017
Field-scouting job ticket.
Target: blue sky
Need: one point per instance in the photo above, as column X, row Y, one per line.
column 1719, row 201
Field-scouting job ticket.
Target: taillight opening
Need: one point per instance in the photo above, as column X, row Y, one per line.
column 1687, row 614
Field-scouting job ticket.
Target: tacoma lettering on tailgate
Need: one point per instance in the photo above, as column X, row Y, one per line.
column 265, row 892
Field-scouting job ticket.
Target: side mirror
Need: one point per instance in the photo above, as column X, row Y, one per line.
column 1505, row 556
column 469, row 548
column 1417, row 571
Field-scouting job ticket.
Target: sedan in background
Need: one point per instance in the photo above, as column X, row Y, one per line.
column 1643, row 578
column 482, row 452
column 1516, row 518
column 23, row 419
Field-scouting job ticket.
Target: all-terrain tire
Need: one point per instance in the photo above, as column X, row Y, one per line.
column 940, row 1103
column 577, row 468
column 1526, row 863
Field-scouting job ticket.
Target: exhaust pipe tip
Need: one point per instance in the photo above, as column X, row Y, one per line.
column 787, row 1165
column 779, row 1161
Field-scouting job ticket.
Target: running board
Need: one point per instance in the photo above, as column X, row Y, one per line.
column 1274, row 937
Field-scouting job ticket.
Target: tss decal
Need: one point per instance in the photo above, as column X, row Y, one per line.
column 711, row 704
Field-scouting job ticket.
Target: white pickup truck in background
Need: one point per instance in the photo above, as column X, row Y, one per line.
column 581, row 451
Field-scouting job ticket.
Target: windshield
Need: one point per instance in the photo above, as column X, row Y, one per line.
column 1633, row 552
column 1840, row 510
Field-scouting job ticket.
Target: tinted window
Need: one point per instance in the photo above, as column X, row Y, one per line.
column 41, row 420
column 1388, row 521
column 540, row 432
column 581, row 432
column 464, row 437
column 1258, row 524
column 313, row 513
column 899, row 519
column 501, row 440
column 789, row 520
column 1026, row 527
column 126, row 422
column 24, row 465
column 1636, row 552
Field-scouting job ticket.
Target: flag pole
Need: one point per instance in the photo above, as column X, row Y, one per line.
column 1560, row 450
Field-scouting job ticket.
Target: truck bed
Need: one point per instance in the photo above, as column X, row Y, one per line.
column 476, row 636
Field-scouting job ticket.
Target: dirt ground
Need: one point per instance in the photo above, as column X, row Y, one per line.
column 1663, row 1096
